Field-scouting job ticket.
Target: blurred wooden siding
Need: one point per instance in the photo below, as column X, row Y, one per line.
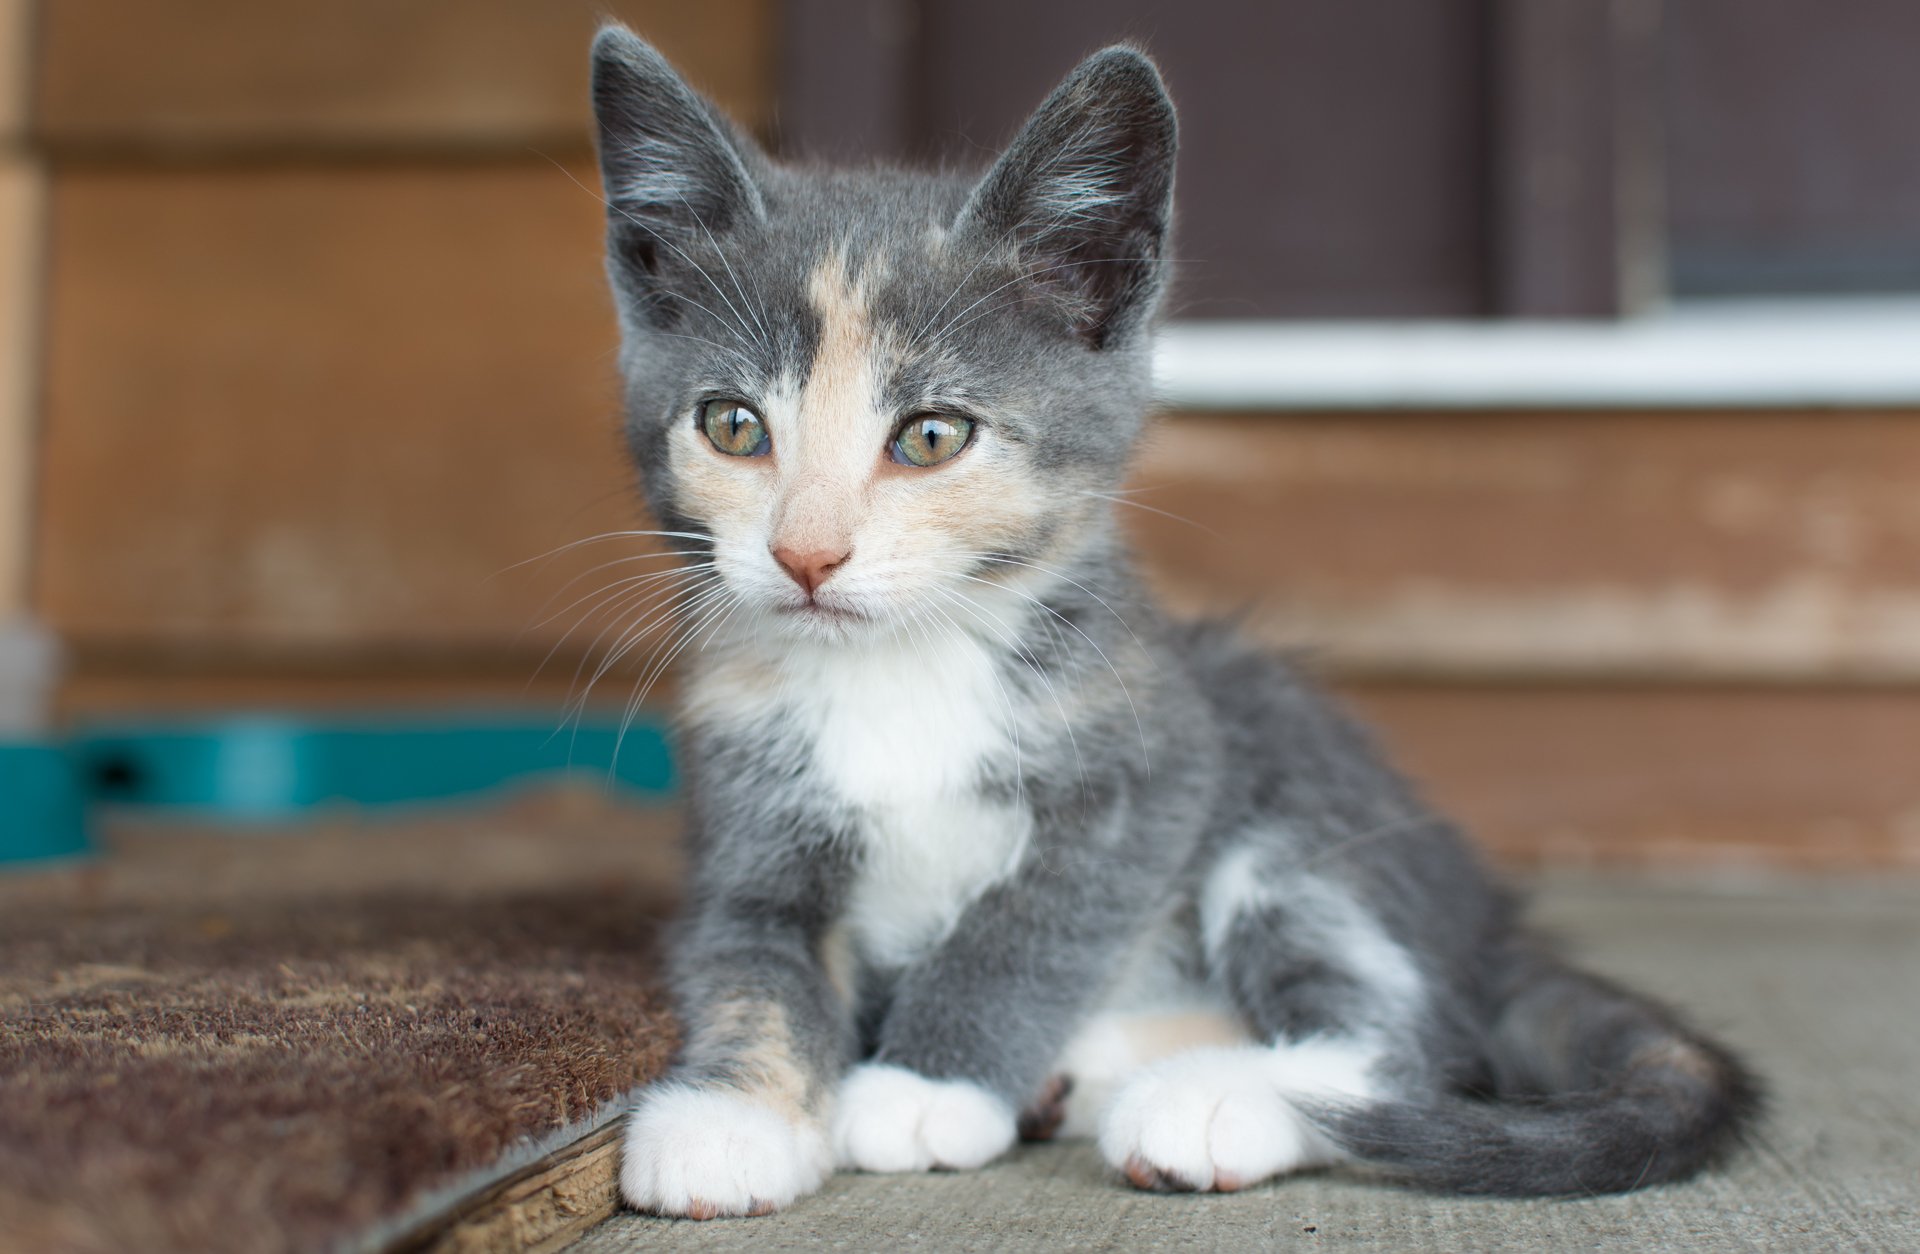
column 327, row 351
column 319, row 408
column 329, row 345
column 1774, row 546
column 20, row 253
column 220, row 77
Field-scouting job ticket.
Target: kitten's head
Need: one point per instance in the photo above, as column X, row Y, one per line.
column 881, row 393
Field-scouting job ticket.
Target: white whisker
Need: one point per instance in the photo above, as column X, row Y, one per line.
column 601, row 538
column 1139, row 726
column 766, row 332
column 954, row 323
column 649, row 577
column 741, row 330
column 1151, row 509
column 1061, row 575
column 631, row 635
column 632, row 601
column 1012, row 642
column 1006, row 701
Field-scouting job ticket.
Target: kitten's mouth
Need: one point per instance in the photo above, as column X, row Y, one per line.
column 823, row 611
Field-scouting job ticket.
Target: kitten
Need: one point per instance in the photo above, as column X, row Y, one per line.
column 980, row 840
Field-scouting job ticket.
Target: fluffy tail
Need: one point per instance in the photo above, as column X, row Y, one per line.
column 1596, row 1090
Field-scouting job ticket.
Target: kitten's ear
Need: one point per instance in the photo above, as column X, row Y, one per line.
column 671, row 166
column 1085, row 193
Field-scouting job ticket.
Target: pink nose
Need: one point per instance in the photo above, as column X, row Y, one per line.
column 811, row 569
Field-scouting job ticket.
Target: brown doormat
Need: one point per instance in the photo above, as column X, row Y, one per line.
column 348, row 1071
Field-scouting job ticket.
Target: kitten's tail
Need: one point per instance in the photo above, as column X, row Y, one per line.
column 1597, row 1090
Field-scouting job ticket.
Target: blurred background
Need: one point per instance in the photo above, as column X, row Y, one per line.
column 1549, row 368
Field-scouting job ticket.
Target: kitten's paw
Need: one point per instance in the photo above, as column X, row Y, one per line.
column 1210, row 1119
column 892, row 1119
column 700, row 1153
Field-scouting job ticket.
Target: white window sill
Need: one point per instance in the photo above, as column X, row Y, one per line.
column 1803, row 353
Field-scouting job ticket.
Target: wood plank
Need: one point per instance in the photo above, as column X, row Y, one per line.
column 1776, row 545
column 16, row 35
column 21, row 189
column 146, row 682
column 541, row 1209
column 355, row 74
column 1666, row 778
column 298, row 408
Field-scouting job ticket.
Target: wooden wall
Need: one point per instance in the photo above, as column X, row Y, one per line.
column 220, row 78
column 1677, row 638
column 325, row 351
column 20, row 252
column 328, row 345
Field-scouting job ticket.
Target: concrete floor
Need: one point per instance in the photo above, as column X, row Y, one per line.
column 1819, row 983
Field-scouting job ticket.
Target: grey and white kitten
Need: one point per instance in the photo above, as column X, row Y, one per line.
column 981, row 842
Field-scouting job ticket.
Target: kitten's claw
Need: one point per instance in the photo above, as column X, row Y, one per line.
column 893, row 1119
column 701, row 1153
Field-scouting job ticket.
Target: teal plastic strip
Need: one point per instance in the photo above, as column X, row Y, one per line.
column 254, row 769
column 264, row 768
column 42, row 811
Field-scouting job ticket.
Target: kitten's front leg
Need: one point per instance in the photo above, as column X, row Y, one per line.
column 739, row 1127
column 974, row 1028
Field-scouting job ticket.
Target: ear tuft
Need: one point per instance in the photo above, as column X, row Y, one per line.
column 1085, row 193
column 671, row 166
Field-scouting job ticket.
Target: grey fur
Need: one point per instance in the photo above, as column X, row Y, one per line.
column 1183, row 745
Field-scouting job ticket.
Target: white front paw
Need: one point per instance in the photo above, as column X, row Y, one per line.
column 892, row 1119
column 1212, row 1119
column 699, row 1153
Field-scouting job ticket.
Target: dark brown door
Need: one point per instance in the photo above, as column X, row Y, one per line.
column 1440, row 158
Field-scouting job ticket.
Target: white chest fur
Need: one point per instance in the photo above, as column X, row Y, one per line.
column 902, row 739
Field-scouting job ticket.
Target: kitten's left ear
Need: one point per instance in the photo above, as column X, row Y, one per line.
column 671, row 166
column 1085, row 194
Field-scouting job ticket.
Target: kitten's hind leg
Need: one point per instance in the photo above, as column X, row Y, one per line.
column 1335, row 1004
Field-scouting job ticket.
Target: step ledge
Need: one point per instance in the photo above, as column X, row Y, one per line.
column 1853, row 352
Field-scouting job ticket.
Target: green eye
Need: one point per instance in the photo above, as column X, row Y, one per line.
column 734, row 429
column 929, row 439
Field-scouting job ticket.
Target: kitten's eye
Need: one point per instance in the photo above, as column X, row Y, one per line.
column 929, row 439
column 735, row 429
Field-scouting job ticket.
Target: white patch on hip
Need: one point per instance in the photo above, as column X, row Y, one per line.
column 1322, row 912
column 891, row 1119
column 1225, row 1118
column 706, row 1152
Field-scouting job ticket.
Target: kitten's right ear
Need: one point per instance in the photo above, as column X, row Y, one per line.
column 671, row 166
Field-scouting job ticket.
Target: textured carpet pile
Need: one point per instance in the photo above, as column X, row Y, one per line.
column 297, row 1074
